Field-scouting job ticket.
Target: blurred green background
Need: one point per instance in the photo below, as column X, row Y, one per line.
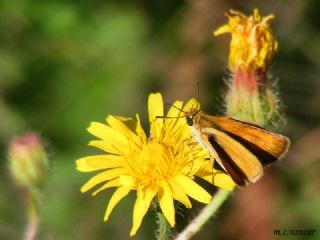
column 65, row 63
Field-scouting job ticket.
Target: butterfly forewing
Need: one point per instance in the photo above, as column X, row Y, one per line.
column 240, row 148
column 267, row 146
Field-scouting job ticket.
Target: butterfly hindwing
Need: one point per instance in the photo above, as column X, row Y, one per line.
column 240, row 163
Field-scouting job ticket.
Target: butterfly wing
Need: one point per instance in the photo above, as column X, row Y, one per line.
column 239, row 162
column 267, row 146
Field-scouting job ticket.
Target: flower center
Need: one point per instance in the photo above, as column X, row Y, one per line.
column 156, row 161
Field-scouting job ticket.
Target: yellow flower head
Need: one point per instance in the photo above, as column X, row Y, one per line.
column 252, row 42
column 163, row 165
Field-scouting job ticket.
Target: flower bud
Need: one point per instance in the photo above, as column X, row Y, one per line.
column 28, row 162
column 250, row 96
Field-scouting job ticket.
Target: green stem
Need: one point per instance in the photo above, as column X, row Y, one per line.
column 164, row 231
column 32, row 218
column 206, row 213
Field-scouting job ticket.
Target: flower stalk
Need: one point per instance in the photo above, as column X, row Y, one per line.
column 205, row 214
column 28, row 165
column 33, row 219
column 164, row 231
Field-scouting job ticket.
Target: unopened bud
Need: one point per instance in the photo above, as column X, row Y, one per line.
column 28, row 162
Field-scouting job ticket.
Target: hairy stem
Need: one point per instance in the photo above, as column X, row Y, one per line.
column 205, row 214
column 163, row 232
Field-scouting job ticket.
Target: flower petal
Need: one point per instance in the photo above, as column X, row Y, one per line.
column 193, row 189
column 121, row 127
column 139, row 130
column 120, row 193
column 110, row 184
column 109, row 134
column 192, row 103
column 223, row 29
column 216, row 177
column 102, row 177
column 105, row 146
column 118, row 123
column 166, row 202
column 155, row 108
column 176, row 120
column 176, row 110
column 179, row 194
column 141, row 207
column 98, row 162
column 128, row 181
column 129, row 122
column 220, row 180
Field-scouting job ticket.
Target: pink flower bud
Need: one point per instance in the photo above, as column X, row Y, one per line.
column 28, row 162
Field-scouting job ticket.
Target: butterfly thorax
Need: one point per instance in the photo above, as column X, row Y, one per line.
column 198, row 120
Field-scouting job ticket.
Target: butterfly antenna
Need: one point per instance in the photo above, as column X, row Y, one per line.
column 168, row 104
column 171, row 105
column 198, row 92
column 169, row 117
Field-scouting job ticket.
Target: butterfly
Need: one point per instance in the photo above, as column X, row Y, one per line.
column 240, row 148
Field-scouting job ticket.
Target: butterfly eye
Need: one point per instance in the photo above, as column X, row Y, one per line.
column 189, row 121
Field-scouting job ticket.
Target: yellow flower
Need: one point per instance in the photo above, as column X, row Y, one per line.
column 252, row 44
column 163, row 165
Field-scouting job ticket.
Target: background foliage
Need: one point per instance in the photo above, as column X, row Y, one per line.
column 64, row 64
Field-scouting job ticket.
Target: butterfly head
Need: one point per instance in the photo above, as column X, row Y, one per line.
column 191, row 115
